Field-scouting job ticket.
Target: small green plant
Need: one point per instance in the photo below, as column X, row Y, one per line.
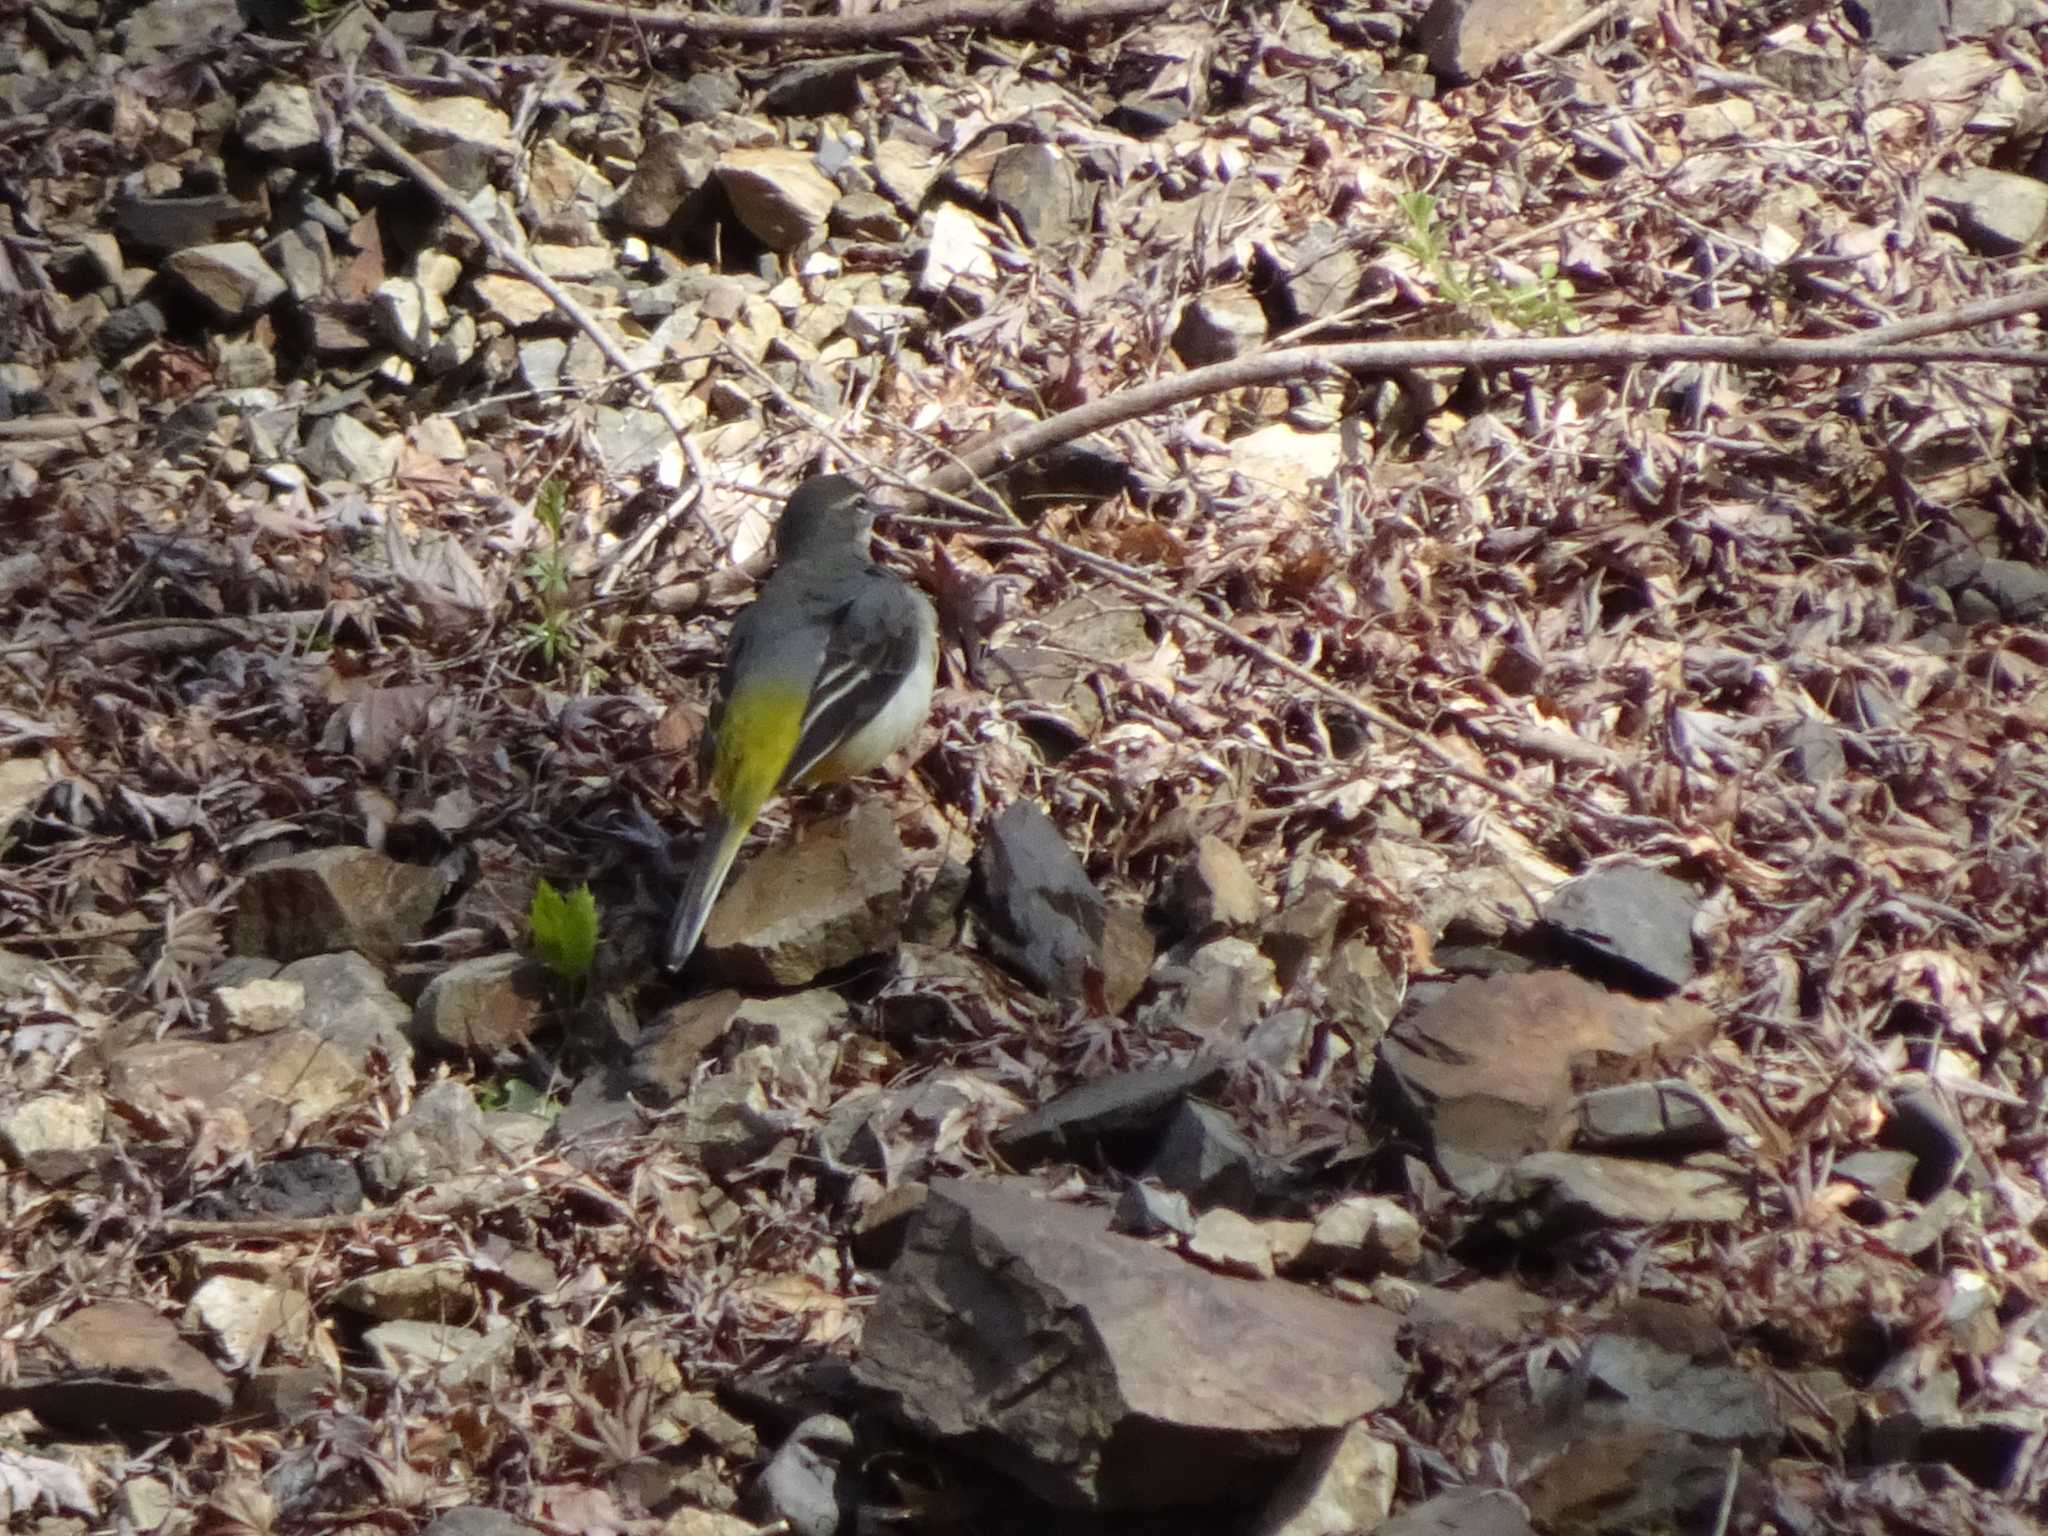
column 565, row 932
column 554, row 636
column 517, row 1095
column 1541, row 304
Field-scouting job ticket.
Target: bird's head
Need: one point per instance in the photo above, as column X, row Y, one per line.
column 823, row 512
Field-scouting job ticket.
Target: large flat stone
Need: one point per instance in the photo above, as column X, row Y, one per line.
column 1103, row 1371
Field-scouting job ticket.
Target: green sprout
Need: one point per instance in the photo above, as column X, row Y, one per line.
column 565, row 932
column 554, row 636
column 1543, row 303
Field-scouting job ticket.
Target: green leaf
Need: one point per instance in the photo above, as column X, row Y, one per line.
column 547, row 506
column 518, row 1095
column 565, row 930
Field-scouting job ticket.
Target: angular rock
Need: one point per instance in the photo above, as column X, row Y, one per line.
column 780, row 195
column 158, row 226
column 1465, row 38
column 52, row 1123
column 400, row 307
column 280, row 121
column 1998, row 213
column 832, row 897
column 1230, row 1244
column 477, row 1520
column 231, row 279
column 1922, row 1125
column 1118, row 1119
column 117, row 1367
column 127, row 329
column 1343, row 1482
column 1320, row 275
column 275, row 1083
column 803, row 1033
column 1667, row 1118
column 815, row 87
column 421, row 1293
column 1219, row 325
column 243, row 1315
column 669, row 176
column 1472, row 1324
column 1204, row 1156
column 2017, row 592
column 1638, row 1437
column 1362, row 1234
column 1041, row 191
column 338, row 447
column 439, row 122
column 1146, row 116
column 164, row 26
column 295, row 1187
column 1462, row 1512
column 1627, row 923
column 1550, row 1195
column 867, row 216
column 511, row 301
column 1301, row 937
column 700, row 96
column 256, row 1007
column 1045, row 917
column 808, row 1484
column 481, row 1006
column 1214, row 891
column 1896, row 30
column 575, row 263
column 349, row 1006
column 339, row 328
column 1492, row 1067
column 1085, row 634
column 334, row 899
column 1145, row 1210
column 1102, row 1371
column 1218, row 995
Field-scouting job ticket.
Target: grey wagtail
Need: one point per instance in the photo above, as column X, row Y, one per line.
column 827, row 672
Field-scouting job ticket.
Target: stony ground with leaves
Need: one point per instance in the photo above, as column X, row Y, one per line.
column 368, row 544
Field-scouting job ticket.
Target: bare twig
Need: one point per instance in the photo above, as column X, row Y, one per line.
column 1573, row 30
column 130, row 638
column 34, row 428
column 997, row 16
column 1943, row 321
column 1727, row 1507
column 1290, row 363
column 505, row 256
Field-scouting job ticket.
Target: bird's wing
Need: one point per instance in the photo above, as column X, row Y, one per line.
column 872, row 645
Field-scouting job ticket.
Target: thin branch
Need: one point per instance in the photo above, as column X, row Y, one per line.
column 1287, row 364
column 36, row 428
column 1572, row 31
column 513, row 261
column 1001, row 17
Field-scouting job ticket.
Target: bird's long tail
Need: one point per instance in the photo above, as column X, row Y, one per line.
column 723, row 835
